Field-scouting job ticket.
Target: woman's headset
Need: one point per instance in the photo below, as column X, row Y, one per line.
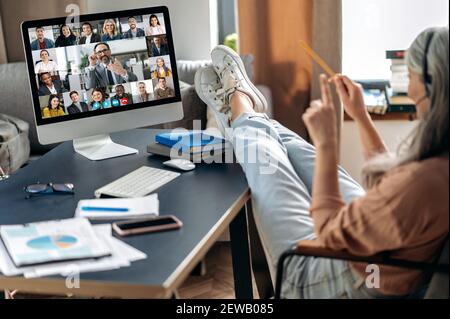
column 427, row 79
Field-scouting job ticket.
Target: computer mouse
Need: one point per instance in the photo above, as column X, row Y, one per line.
column 181, row 164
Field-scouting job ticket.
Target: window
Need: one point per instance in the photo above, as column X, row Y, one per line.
column 227, row 18
column 370, row 27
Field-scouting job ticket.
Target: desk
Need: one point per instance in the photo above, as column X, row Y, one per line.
column 207, row 201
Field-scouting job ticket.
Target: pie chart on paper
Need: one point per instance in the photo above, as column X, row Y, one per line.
column 52, row 242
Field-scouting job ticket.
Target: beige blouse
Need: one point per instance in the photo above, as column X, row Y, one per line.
column 406, row 214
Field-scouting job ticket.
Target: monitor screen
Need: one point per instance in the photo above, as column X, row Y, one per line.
column 100, row 65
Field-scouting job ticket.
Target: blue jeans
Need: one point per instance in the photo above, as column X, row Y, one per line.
column 279, row 166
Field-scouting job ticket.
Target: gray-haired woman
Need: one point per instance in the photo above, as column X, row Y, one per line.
column 300, row 193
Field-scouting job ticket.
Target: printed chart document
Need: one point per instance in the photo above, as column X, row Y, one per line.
column 53, row 241
column 118, row 208
column 122, row 256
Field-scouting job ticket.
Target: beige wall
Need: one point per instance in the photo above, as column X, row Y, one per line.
column 12, row 13
column 392, row 132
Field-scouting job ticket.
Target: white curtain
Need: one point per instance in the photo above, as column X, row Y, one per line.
column 3, row 57
column 327, row 42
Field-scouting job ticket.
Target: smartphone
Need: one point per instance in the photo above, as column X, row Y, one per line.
column 144, row 226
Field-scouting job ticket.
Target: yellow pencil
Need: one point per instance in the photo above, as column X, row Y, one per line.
column 317, row 59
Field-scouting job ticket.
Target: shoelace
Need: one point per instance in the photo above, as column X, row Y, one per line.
column 225, row 70
column 219, row 95
column 223, row 91
column 230, row 82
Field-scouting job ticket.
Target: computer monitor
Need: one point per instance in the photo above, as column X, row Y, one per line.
column 109, row 72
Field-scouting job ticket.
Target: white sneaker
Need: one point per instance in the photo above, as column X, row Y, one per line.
column 209, row 89
column 230, row 68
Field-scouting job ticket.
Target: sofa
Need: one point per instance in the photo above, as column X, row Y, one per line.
column 16, row 98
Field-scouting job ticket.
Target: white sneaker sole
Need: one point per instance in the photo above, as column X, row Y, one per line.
column 236, row 58
column 220, row 117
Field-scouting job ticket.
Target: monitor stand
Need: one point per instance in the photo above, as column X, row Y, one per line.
column 101, row 147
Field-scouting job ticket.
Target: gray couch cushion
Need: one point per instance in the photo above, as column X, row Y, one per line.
column 187, row 69
column 16, row 100
column 193, row 108
column 14, row 143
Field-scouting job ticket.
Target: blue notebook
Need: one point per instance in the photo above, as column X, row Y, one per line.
column 190, row 142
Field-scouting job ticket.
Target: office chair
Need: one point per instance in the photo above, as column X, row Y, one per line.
column 438, row 286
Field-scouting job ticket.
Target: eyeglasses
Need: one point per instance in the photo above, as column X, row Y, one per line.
column 50, row 188
column 102, row 51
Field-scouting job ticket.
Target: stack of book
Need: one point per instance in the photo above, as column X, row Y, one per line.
column 397, row 96
column 192, row 145
column 399, row 71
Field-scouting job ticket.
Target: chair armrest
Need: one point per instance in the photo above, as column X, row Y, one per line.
column 311, row 249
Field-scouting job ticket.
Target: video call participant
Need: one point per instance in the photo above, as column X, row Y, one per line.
column 134, row 31
column 98, row 100
column 77, row 106
column 161, row 70
column 155, row 27
column 159, row 48
column 88, row 34
column 110, row 32
column 54, row 108
column 66, row 37
column 163, row 91
column 104, row 71
column 50, row 86
column 143, row 96
column 121, row 97
column 41, row 42
column 45, row 65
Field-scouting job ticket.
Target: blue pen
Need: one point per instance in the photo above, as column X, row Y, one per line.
column 104, row 209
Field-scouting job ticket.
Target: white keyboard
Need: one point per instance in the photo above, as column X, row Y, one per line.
column 138, row 183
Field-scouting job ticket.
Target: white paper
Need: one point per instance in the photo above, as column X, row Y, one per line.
column 52, row 241
column 122, row 256
column 137, row 208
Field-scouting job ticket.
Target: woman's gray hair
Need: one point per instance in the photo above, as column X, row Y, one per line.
column 430, row 138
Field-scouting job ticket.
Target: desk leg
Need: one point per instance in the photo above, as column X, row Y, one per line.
column 240, row 251
column 260, row 266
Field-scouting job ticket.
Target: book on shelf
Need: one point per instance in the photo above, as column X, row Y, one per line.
column 401, row 109
column 375, row 100
column 399, row 80
column 395, row 54
column 400, row 103
column 400, row 100
column 380, row 99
